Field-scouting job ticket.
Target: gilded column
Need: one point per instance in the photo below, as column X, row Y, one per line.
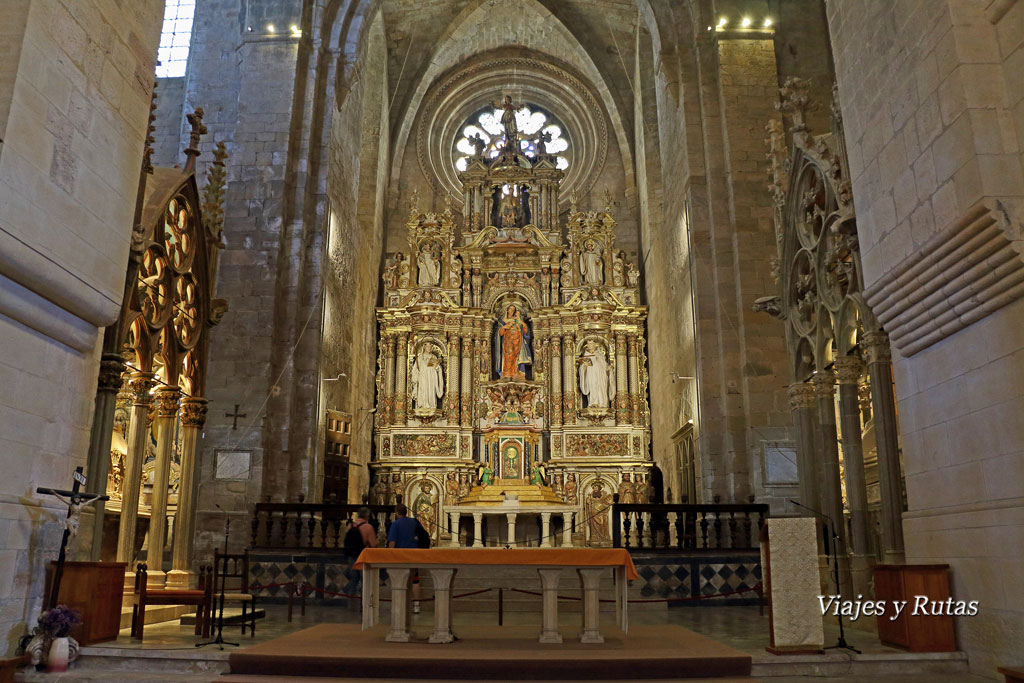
column 802, row 402
column 401, row 382
column 621, row 381
column 141, row 384
column 193, row 417
column 556, row 381
column 568, row 379
column 634, row 380
column 389, row 379
column 166, row 416
column 466, row 414
column 109, row 383
column 887, row 441
column 831, row 489
column 848, row 371
column 451, row 398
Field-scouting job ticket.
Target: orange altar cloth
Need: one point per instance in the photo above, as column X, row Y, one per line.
column 528, row 557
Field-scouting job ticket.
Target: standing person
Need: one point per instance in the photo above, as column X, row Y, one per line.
column 405, row 532
column 360, row 535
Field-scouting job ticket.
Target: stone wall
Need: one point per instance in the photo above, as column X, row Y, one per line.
column 931, row 103
column 73, row 116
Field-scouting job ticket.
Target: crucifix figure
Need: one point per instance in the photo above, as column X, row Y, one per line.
column 76, row 501
column 234, row 417
column 508, row 122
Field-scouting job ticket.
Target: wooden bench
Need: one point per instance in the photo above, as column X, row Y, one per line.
column 143, row 597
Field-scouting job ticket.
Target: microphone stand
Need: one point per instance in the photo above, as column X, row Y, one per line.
column 841, row 644
column 219, row 640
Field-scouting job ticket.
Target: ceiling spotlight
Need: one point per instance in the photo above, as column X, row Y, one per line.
column 271, row 29
column 746, row 22
column 767, row 22
column 296, row 30
column 722, row 22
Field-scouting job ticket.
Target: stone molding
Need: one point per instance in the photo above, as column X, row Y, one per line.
column 956, row 278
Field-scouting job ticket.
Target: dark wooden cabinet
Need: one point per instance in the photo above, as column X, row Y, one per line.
column 95, row 589
column 923, row 632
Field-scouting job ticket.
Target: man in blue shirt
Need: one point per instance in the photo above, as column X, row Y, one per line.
column 403, row 535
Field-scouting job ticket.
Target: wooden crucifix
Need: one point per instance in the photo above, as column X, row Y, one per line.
column 234, row 417
column 76, row 501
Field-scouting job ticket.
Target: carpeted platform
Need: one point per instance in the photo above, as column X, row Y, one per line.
column 487, row 652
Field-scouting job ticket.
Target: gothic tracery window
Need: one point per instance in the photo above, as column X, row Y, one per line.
column 538, row 128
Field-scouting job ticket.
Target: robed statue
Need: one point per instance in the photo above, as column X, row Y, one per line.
column 427, row 380
column 429, row 268
column 508, row 122
column 595, row 376
column 512, row 345
column 591, row 264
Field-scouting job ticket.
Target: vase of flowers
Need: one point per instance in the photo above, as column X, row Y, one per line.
column 55, row 627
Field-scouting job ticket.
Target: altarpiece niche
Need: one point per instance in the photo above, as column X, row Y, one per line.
column 512, row 374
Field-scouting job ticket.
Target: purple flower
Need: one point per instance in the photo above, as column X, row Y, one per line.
column 59, row 621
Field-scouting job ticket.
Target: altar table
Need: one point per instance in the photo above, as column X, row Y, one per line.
column 443, row 563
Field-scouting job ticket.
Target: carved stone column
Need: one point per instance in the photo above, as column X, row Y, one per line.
column 634, row 380
column 556, row 381
column 98, row 467
column 831, row 489
column 141, row 384
column 389, row 379
column 193, row 417
column 166, row 414
column 569, row 379
column 802, row 401
column 621, row 381
column 887, row 441
column 401, row 380
column 848, row 371
column 451, row 398
column 467, row 382
column 556, row 278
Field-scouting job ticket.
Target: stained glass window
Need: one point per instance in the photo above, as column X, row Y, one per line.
column 175, row 38
column 533, row 122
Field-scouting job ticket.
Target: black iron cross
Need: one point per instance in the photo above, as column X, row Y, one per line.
column 234, row 418
column 76, row 499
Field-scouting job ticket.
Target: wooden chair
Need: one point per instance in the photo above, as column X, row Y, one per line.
column 233, row 570
column 202, row 599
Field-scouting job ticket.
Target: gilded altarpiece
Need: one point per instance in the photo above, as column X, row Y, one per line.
column 511, row 361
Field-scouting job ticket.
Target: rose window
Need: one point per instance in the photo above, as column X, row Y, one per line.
column 540, row 133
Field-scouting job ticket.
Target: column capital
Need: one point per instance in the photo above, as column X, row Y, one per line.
column 193, row 411
column 141, row 384
column 876, row 344
column 849, row 369
column 167, row 399
column 801, row 395
column 111, row 367
column 824, row 383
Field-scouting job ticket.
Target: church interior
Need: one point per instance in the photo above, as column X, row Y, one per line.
column 724, row 295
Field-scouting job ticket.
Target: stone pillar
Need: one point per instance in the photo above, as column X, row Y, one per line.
column 549, row 616
column 193, row 417
column 510, row 517
column 590, row 582
column 98, row 464
column 556, row 381
column 567, row 530
column 831, row 490
column 401, row 381
column 442, row 580
column 621, row 382
column 401, row 601
column 545, row 530
column 166, row 415
column 467, row 382
column 138, row 434
column 478, row 530
column 887, row 441
column 389, row 379
column 451, row 399
column 801, row 400
column 453, row 521
column 569, row 379
column 634, row 380
column 848, row 371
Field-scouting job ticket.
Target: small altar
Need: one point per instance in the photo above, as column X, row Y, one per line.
column 512, row 362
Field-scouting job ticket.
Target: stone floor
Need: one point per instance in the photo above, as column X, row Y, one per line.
column 740, row 627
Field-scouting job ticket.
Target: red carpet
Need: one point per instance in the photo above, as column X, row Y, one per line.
column 486, row 652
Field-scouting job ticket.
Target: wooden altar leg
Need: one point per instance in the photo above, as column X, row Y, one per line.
column 371, row 596
column 478, row 529
column 545, row 530
column 400, row 603
column 590, row 581
column 443, row 580
column 549, row 620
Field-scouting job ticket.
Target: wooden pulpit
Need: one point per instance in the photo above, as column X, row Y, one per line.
column 95, row 590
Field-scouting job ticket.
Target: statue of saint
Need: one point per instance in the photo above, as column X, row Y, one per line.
column 596, row 382
column 464, row 484
column 508, row 122
column 633, row 275
column 485, row 474
column 427, row 380
column 541, row 141
column 598, row 503
column 478, row 144
column 509, row 211
column 429, row 268
column 627, row 493
column 424, row 508
column 379, row 491
column 512, row 345
column 451, row 489
column 591, row 264
column 537, row 474
column 571, row 489
column 618, row 269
